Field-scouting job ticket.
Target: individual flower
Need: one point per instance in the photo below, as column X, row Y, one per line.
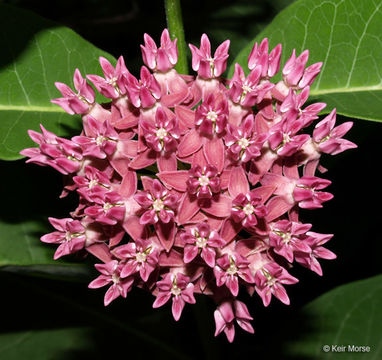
column 259, row 57
column 246, row 208
column 270, row 280
column 162, row 135
column 203, row 182
column 306, row 194
column 100, row 139
column 228, row 270
column 201, row 239
column 110, row 275
column 75, row 103
column 211, row 116
column 70, row 236
column 243, row 143
column 288, row 237
column 61, row 154
column 317, row 251
column 284, row 137
column 225, row 315
column 294, row 72
column 139, row 256
column 108, row 208
column 93, row 184
column 248, row 91
column 179, row 288
column 202, row 61
column 163, row 58
column 110, row 86
column 145, row 92
column 329, row 138
column 159, row 204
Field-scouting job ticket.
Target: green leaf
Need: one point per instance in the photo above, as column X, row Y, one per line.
column 33, row 58
column 23, row 221
column 348, row 315
column 44, row 344
column 20, row 244
column 22, row 252
column 345, row 35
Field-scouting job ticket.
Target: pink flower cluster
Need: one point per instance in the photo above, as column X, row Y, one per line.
column 228, row 167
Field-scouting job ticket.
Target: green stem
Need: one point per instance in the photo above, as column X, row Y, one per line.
column 175, row 27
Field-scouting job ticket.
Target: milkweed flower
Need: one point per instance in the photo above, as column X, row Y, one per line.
column 193, row 186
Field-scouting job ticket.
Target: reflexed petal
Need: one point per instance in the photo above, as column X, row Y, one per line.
column 177, row 307
column 161, row 299
column 190, row 252
column 111, row 294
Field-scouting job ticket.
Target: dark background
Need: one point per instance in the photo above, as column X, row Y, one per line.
column 353, row 215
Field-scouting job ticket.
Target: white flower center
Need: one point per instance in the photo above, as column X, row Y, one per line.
column 141, row 257
column 246, row 88
column 100, row 139
column 115, row 278
column 158, row 205
column 243, row 142
column 92, row 183
column 286, row 238
column 175, row 290
column 212, row 115
column 204, row 180
column 107, row 207
column 286, row 138
column 248, row 209
column 201, row 242
column 161, row 133
column 112, row 81
column 232, row 270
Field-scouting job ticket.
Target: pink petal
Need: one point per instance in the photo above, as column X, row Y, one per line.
column 233, row 284
column 187, row 208
column 277, row 206
column 161, row 299
column 129, row 184
column 167, row 163
column 166, row 234
column 111, row 294
column 230, row 229
column 177, row 307
column 171, row 259
column 175, row 179
column 264, row 192
column 238, row 183
column 208, row 255
column 281, row 294
column 199, row 159
column 101, row 251
column 185, row 116
column 190, row 143
column 214, row 152
column 245, row 325
column 134, row 228
column 220, row 207
column 188, row 294
column 100, row 281
column 144, row 159
column 190, row 252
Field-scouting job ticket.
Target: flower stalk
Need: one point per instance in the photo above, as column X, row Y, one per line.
column 176, row 29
